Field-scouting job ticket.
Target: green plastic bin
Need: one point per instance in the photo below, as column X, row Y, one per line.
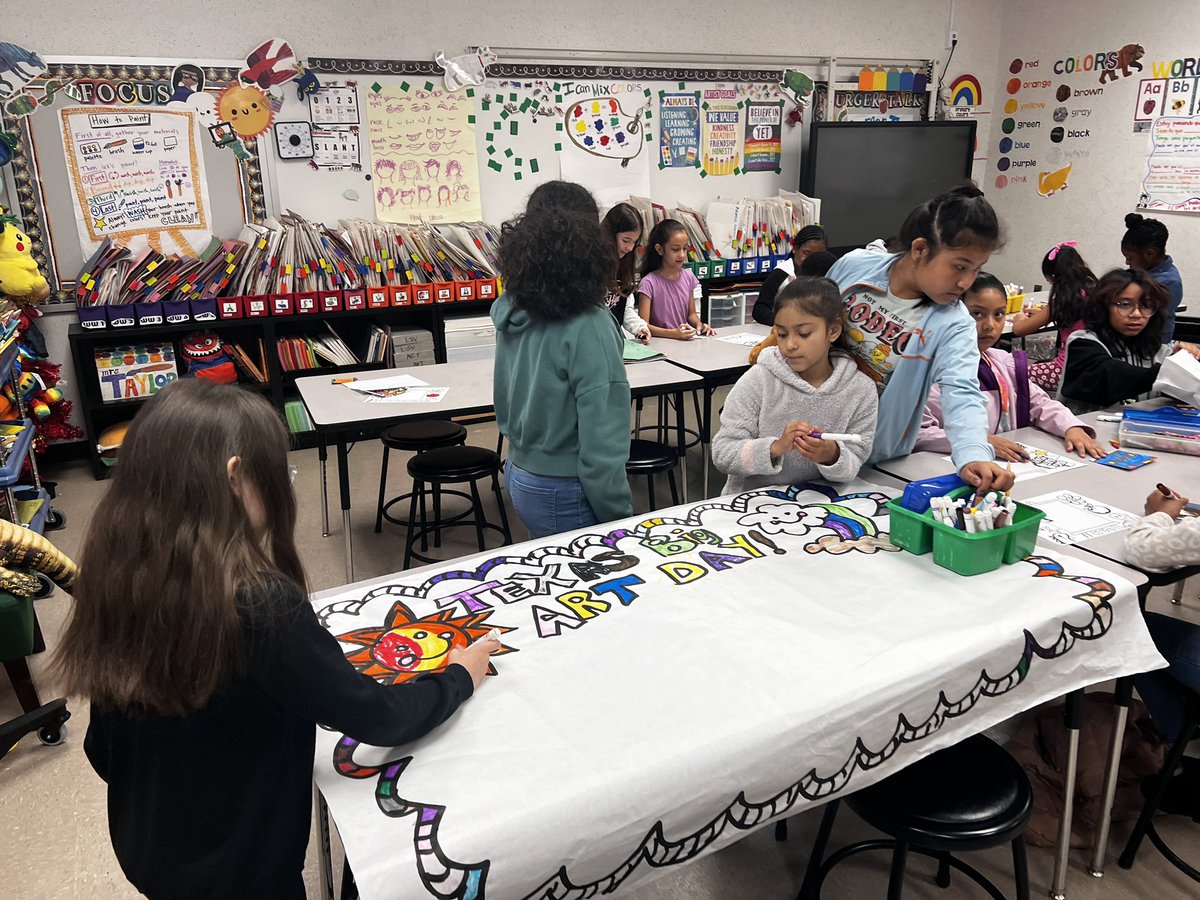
column 960, row 551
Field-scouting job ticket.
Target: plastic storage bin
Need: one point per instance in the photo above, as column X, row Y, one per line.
column 961, row 551
column 1167, row 429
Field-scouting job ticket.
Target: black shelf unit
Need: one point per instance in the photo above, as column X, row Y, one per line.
column 280, row 387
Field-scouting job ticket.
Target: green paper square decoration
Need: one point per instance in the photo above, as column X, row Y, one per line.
column 404, row 86
column 533, row 166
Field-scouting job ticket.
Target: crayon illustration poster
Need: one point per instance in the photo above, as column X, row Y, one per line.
column 764, row 136
column 136, row 175
column 423, row 153
column 721, row 134
column 678, row 130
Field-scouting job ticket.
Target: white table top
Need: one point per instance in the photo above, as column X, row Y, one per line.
column 1115, row 487
column 336, row 406
column 715, row 612
column 710, row 355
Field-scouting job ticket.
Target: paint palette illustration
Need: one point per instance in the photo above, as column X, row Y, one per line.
column 603, row 128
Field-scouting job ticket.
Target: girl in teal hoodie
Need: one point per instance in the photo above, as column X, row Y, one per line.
column 561, row 395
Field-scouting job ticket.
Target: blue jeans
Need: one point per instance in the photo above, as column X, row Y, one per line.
column 547, row 504
column 1179, row 642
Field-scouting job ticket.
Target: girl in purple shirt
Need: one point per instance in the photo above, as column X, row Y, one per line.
column 668, row 294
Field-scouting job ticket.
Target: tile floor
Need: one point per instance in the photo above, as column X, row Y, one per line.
column 53, row 830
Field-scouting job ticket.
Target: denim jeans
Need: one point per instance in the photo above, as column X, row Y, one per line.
column 547, row 504
column 1179, row 642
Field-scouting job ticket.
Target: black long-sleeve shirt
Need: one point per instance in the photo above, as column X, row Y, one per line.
column 1097, row 373
column 218, row 803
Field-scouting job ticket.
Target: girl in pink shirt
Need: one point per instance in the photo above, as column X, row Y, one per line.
column 1013, row 400
column 668, row 294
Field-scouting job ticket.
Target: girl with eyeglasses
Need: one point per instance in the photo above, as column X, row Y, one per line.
column 1117, row 355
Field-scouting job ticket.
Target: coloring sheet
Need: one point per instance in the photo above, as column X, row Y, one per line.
column 744, row 338
column 1041, row 462
column 614, row 739
column 1071, row 518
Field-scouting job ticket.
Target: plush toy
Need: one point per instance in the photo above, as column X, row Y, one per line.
column 23, row 552
column 111, row 439
column 19, row 275
column 207, row 359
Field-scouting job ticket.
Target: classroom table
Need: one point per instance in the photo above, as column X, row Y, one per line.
column 1125, row 490
column 340, row 413
column 670, row 683
column 719, row 363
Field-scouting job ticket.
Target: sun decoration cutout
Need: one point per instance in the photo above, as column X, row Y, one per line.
column 246, row 109
column 405, row 647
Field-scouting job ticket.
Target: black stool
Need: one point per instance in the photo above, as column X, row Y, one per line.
column 650, row 458
column 431, row 471
column 1145, row 823
column 413, row 437
column 968, row 797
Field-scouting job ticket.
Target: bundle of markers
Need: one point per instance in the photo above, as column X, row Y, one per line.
column 992, row 511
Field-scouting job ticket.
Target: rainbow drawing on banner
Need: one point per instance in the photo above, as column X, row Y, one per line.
column 965, row 91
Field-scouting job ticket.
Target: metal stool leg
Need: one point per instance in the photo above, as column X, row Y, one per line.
column 650, row 491
column 1020, row 868
column 942, row 879
column 382, row 490
column 477, row 506
column 674, row 487
column 503, row 511
column 818, row 851
column 896, row 877
column 437, row 515
column 1177, row 592
column 417, row 490
column 1073, row 717
column 1123, row 697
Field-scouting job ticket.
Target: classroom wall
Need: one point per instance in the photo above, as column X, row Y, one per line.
column 1108, row 162
column 227, row 29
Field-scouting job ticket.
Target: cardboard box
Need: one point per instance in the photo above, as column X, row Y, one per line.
column 137, row 371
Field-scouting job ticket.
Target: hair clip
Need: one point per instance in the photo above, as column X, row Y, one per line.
column 1054, row 250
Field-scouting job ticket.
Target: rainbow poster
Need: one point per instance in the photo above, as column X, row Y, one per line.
column 965, row 91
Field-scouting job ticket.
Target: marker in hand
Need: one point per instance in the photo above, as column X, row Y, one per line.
column 833, row 436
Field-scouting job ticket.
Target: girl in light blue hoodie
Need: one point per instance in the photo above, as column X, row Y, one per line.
column 907, row 326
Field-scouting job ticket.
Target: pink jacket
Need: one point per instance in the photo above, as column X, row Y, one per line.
column 1044, row 412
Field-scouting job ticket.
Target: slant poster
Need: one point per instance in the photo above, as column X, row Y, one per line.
column 136, row 177
column 678, row 130
column 423, row 153
column 764, row 136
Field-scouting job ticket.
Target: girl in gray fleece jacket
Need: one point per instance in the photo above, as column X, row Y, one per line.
column 805, row 385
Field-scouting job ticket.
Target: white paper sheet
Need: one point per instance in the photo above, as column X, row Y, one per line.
column 366, row 385
column 744, row 338
column 1041, row 462
column 408, row 395
column 1071, row 518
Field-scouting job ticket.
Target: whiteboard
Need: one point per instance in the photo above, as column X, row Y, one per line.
column 325, row 195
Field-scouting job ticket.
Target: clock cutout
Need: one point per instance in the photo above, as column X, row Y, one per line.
column 293, row 140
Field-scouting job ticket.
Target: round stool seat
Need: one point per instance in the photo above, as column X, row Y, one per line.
column 972, row 792
column 450, row 464
column 649, row 456
column 423, row 435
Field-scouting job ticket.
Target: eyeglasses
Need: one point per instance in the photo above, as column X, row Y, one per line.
column 1127, row 307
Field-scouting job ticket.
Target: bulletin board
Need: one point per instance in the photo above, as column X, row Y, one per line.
column 530, row 124
column 41, row 189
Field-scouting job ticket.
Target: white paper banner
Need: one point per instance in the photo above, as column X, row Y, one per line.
column 669, row 684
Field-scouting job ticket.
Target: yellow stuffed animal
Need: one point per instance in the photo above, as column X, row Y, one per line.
column 19, row 275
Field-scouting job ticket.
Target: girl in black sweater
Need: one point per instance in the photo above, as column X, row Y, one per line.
column 204, row 662
column 1117, row 355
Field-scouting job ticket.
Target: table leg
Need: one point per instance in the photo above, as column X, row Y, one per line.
column 705, row 435
column 680, row 437
column 1122, row 699
column 323, row 455
column 324, row 852
column 1073, row 719
column 344, row 489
